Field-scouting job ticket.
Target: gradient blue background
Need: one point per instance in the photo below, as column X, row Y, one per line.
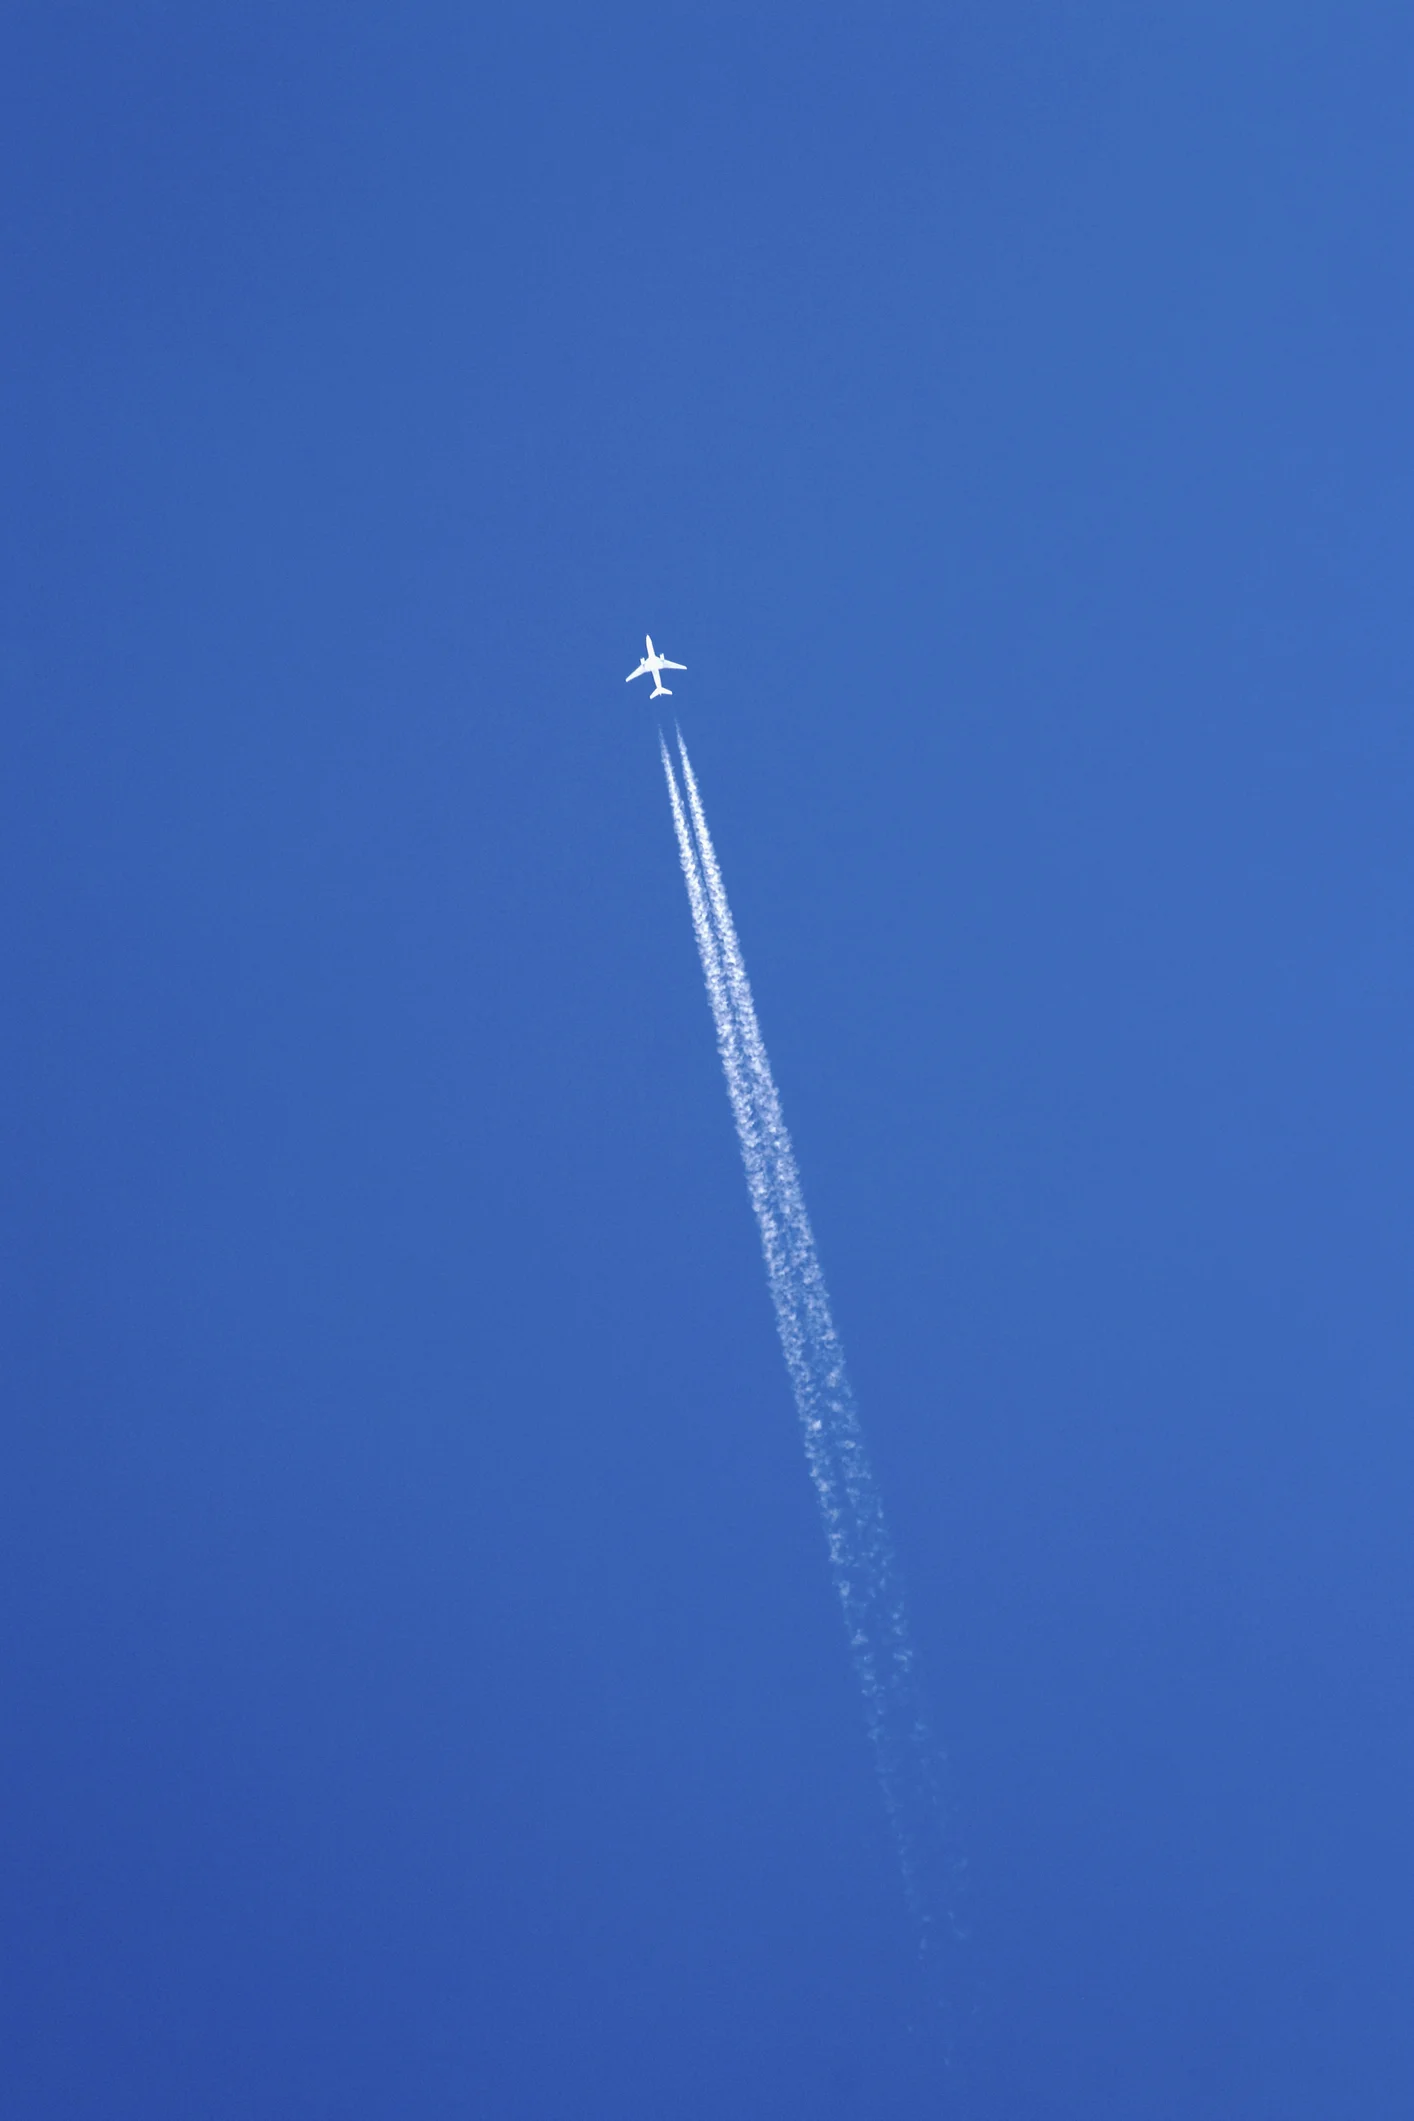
column 422, row 1689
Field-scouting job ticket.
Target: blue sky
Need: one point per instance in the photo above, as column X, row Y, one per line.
column 424, row 1692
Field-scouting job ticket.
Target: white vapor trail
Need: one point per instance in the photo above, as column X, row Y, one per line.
column 862, row 1558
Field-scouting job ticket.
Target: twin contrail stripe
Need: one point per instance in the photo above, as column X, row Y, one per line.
column 862, row 1558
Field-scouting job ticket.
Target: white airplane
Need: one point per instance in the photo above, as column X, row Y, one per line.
column 657, row 664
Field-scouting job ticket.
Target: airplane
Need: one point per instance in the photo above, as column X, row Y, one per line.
column 657, row 664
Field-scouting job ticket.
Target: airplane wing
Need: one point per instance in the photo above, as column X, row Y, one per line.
column 673, row 666
column 642, row 671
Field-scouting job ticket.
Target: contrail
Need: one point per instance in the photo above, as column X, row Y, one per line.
column 862, row 1558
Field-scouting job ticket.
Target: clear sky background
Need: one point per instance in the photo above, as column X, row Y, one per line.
column 423, row 1693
